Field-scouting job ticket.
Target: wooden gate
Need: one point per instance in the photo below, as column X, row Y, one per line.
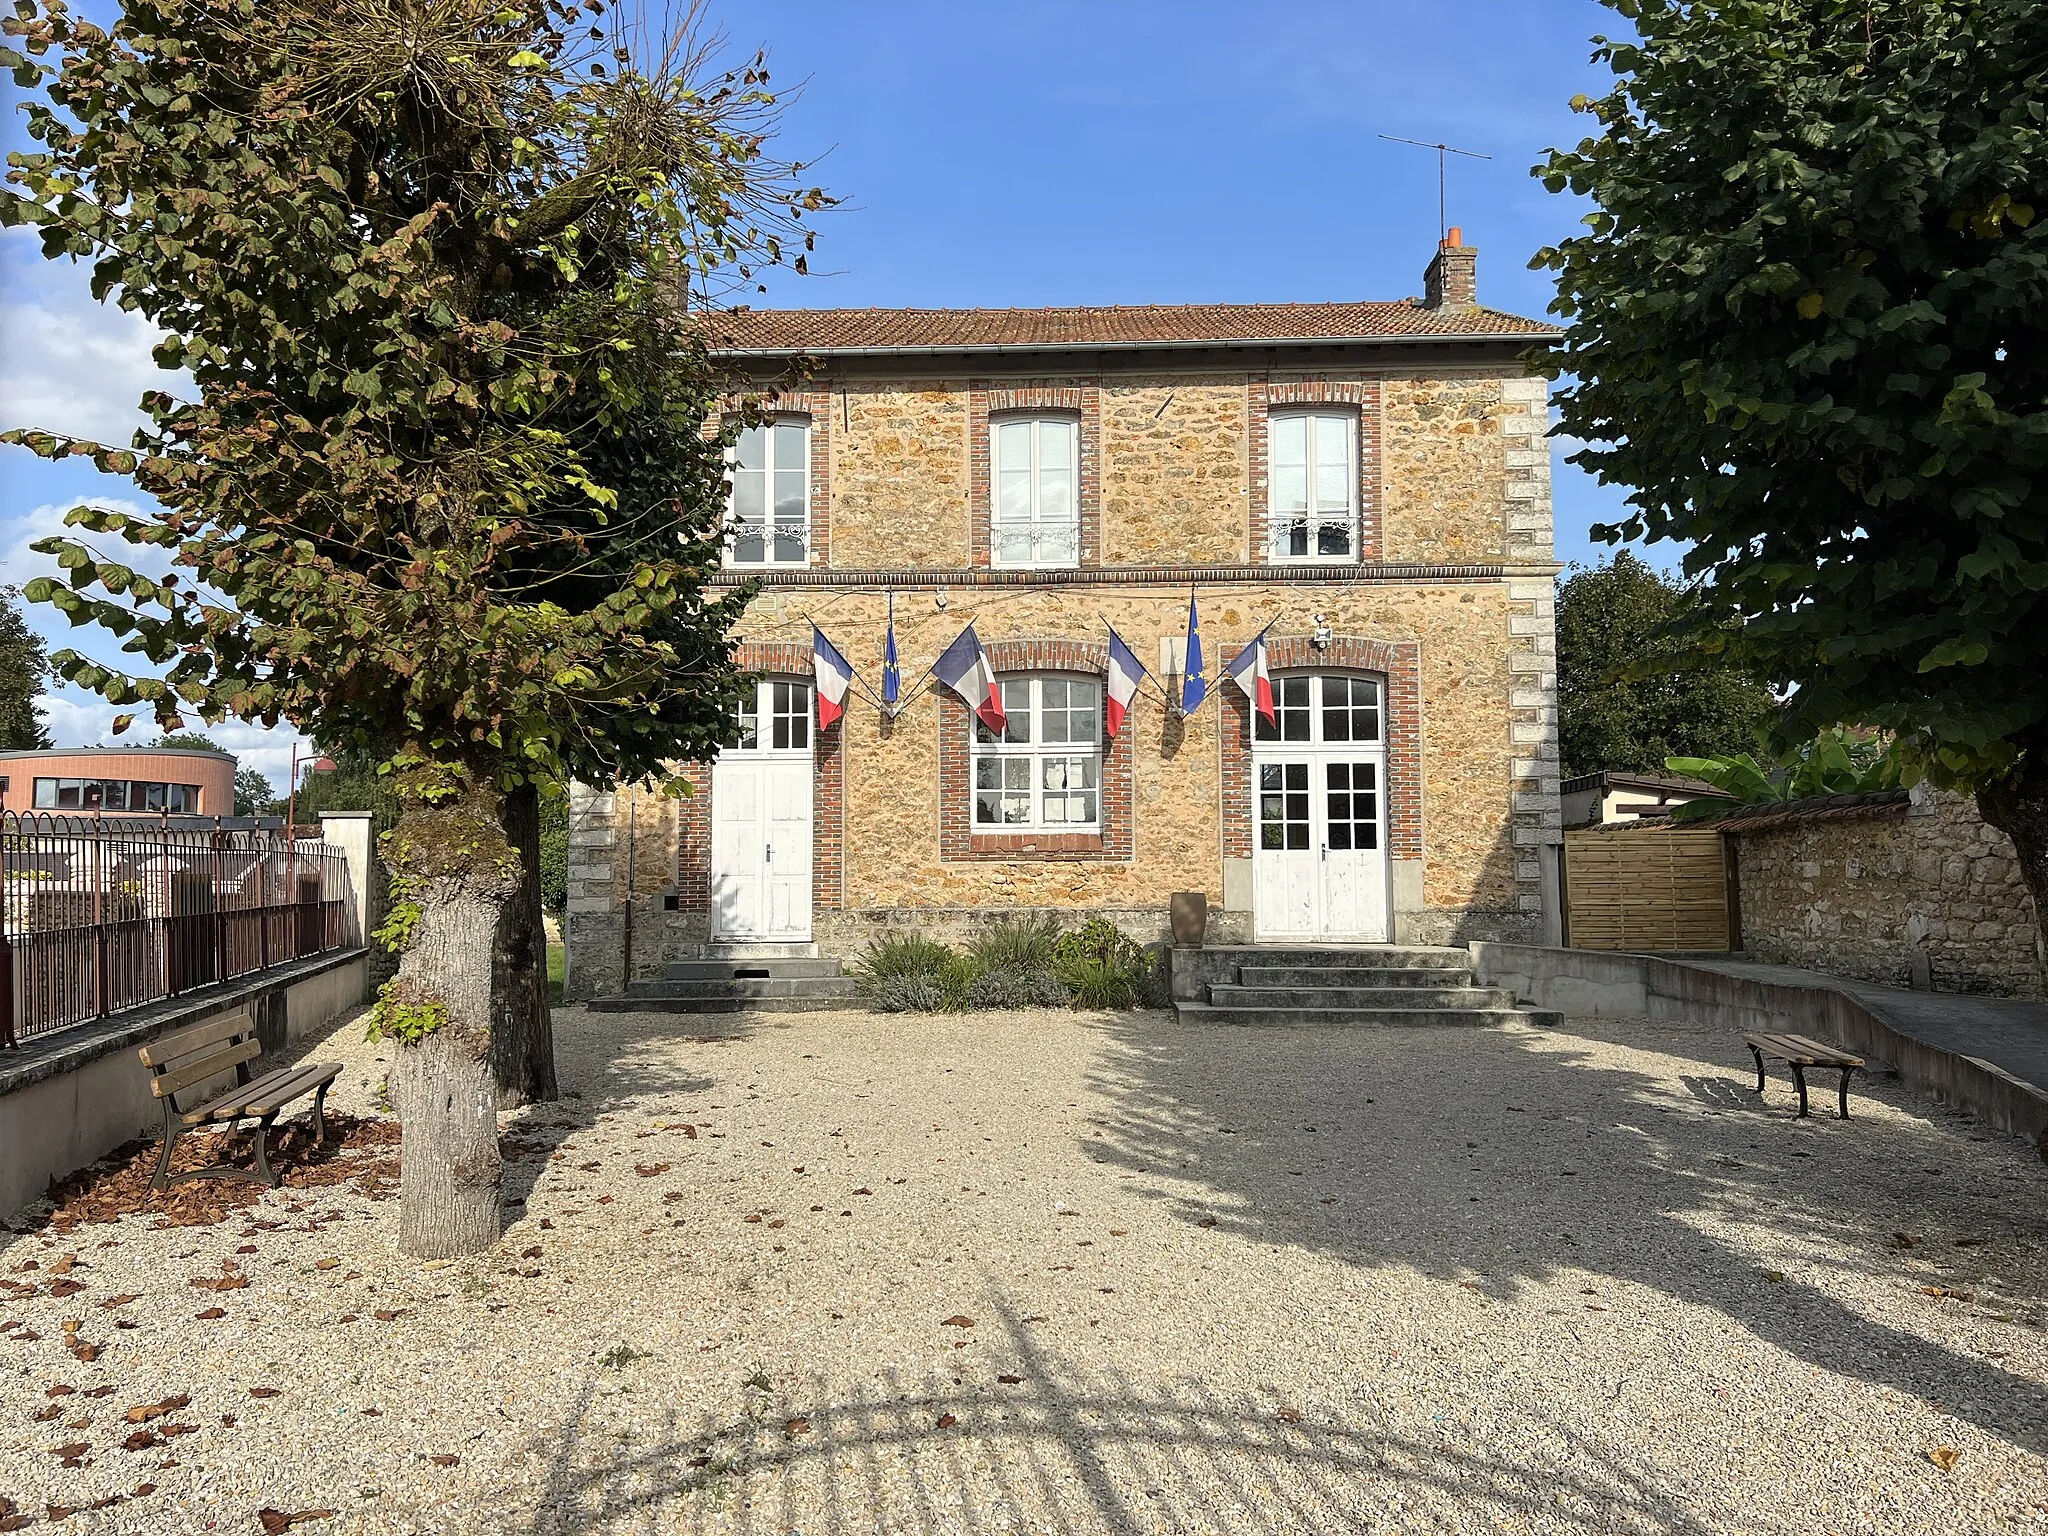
column 1647, row 888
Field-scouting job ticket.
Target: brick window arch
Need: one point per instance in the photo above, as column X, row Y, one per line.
column 1400, row 663
column 1111, row 841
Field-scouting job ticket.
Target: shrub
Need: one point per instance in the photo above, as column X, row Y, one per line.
column 909, row 954
column 956, row 979
column 1017, row 944
column 1099, row 983
column 1096, row 939
column 1016, row 987
column 906, row 994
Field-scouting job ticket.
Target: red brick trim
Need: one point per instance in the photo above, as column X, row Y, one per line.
column 1081, row 400
column 815, row 406
column 1263, row 397
column 780, row 658
column 1400, row 663
column 958, row 841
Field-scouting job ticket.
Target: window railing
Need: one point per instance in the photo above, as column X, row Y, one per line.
column 101, row 915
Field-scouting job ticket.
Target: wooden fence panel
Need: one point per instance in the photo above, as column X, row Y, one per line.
column 1646, row 888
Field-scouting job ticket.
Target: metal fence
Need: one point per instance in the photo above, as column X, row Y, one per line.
column 99, row 914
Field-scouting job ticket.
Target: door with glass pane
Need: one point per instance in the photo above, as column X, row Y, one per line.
column 761, row 819
column 1319, row 811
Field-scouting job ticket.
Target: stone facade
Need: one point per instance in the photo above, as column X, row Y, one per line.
column 1447, row 599
column 1928, row 886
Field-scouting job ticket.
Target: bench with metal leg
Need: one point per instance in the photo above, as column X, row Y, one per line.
column 1800, row 1052
column 194, row 1057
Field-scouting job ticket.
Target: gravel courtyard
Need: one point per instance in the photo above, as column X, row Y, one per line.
column 1045, row 1272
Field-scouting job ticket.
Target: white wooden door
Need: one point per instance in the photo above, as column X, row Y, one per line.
column 761, row 820
column 1319, row 866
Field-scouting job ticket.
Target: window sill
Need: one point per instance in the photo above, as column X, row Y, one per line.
column 1038, row 845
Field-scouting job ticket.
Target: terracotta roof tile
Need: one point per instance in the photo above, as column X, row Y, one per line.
column 831, row 330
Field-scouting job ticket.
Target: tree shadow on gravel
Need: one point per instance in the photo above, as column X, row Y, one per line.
column 1502, row 1158
column 1068, row 1447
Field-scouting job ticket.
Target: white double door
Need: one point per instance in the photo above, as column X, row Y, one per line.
column 1319, row 863
column 761, row 820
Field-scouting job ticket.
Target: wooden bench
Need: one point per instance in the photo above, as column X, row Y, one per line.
column 1799, row 1052
column 194, row 1056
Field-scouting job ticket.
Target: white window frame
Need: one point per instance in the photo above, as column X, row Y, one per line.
column 1319, row 419
column 779, row 710
column 768, row 471
column 1038, row 523
column 1028, row 690
column 1266, row 736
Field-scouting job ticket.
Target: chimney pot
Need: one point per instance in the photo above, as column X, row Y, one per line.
column 1452, row 278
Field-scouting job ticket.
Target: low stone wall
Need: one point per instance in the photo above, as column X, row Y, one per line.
column 70, row 1097
column 1604, row 985
column 1928, row 887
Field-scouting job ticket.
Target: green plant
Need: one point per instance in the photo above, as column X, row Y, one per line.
column 1100, row 983
column 1017, row 944
column 956, row 979
column 905, row 994
column 621, row 1355
column 1016, row 987
column 907, row 954
column 1838, row 762
column 399, row 1014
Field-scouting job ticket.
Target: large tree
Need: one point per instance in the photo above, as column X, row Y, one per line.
column 22, row 671
column 427, row 263
column 1631, row 690
column 1808, row 328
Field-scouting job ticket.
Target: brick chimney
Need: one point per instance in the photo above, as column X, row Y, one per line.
column 1453, row 276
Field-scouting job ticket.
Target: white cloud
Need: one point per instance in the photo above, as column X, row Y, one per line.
column 68, row 363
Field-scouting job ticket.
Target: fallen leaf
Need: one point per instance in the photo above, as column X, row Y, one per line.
column 276, row 1521
column 227, row 1421
column 531, row 1253
column 1009, row 1381
column 1942, row 1290
column 649, row 1170
column 957, row 1322
column 211, row 1314
column 1902, row 1240
column 265, row 1392
column 65, row 1287
column 1945, row 1456
column 863, row 1191
column 142, row 1413
column 70, row 1452
column 55, row 1410
column 947, row 1421
column 796, row 1426
column 444, row 1460
column 220, row 1282
column 121, row 1301
column 60, row 1390
column 1206, row 1221
column 327, row 1264
column 388, row 1316
column 1290, row 1415
column 141, row 1440
column 756, row 1217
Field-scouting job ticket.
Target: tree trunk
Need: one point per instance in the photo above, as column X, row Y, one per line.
column 522, row 1031
column 2018, row 806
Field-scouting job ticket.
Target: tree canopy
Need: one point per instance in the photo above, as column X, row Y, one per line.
column 22, row 671
column 1807, row 327
column 1631, row 688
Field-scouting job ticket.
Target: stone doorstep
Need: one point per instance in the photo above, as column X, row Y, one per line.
column 77, row 1045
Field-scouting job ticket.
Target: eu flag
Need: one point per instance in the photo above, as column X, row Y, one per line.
column 892, row 675
column 1194, row 684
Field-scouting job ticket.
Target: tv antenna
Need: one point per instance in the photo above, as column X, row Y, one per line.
column 1442, row 224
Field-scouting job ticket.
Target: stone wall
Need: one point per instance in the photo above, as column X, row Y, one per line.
column 1867, row 897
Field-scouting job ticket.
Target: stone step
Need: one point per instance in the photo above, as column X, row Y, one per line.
column 1353, row 976
column 1363, row 1018
column 1376, row 956
column 733, row 969
column 742, row 989
column 1373, row 998
column 710, row 1005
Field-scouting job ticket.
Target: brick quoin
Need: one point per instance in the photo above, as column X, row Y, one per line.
column 1082, row 401
column 958, row 839
column 1399, row 662
column 777, row 659
column 1262, row 398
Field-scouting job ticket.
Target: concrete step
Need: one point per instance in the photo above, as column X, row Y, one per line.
column 741, row 989
column 1371, row 998
column 737, row 969
column 710, row 1005
column 1363, row 1018
column 1353, row 976
column 1376, row 956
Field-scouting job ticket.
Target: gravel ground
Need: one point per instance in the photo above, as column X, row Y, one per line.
column 1046, row 1272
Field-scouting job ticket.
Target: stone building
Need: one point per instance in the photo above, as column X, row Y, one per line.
column 1366, row 483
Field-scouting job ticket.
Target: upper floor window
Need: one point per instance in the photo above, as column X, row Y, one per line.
column 1043, row 773
column 771, row 495
column 1036, row 520
column 1312, row 503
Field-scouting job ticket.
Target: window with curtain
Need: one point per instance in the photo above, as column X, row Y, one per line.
column 771, row 495
column 1043, row 773
column 1312, row 486
column 1036, row 518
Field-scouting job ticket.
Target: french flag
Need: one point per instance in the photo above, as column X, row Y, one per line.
column 964, row 668
column 834, row 675
column 1125, row 671
column 1249, row 672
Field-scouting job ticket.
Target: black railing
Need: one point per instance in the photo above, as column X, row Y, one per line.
column 103, row 913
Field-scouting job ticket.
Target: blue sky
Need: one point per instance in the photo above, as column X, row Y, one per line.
column 1119, row 152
